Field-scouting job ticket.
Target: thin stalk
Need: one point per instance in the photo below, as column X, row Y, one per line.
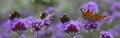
column 37, row 34
column 91, row 35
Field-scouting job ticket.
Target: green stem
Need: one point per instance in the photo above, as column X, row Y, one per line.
column 91, row 35
column 37, row 34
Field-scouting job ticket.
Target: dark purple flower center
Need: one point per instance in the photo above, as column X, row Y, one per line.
column 105, row 36
column 19, row 26
column 36, row 26
column 71, row 28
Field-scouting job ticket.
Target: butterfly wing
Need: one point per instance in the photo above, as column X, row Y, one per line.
column 88, row 15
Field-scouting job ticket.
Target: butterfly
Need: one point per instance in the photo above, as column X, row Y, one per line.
column 44, row 15
column 14, row 15
column 65, row 18
column 88, row 15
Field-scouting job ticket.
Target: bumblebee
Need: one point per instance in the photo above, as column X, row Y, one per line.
column 14, row 15
column 64, row 18
column 44, row 15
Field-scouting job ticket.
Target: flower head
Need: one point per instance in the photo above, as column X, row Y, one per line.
column 91, row 6
column 50, row 10
column 91, row 26
column 36, row 25
column 71, row 26
column 115, row 6
column 115, row 30
column 18, row 26
column 109, row 1
column 105, row 34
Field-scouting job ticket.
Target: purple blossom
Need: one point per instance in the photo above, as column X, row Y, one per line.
column 23, row 36
column 91, row 26
column 77, row 36
column 105, row 34
column 92, row 6
column 5, row 35
column 26, row 12
column 109, row 1
column 59, row 34
column 71, row 26
column 115, row 30
column 50, row 10
column 28, row 20
column 115, row 6
column 36, row 25
column 116, row 14
column 6, row 26
column 47, row 20
column 18, row 26
column 44, row 33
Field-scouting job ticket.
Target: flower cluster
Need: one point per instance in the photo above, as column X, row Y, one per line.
column 92, row 20
column 71, row 26
column 91, row 26
column 105, row 34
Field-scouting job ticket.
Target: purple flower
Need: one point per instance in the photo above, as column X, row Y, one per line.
column 71, row 27
column 115, row 30
column 92, row 6
column 50, row 10
column 5, row 35
column 26, row 12
column 77, row 36
column 115, row 6
column 36, row 25
column 105, row 34
column 109, row 1
column 18, row 26
column 91, row 26
column 6, row 26
column 47, row 20
column 28, row 20
column 116, row 14
column 44, row 33
column 23, row 36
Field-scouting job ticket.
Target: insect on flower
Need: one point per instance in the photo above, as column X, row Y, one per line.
column 65, row 18
column 87, row 14
column 14, row 15
column 43, row 16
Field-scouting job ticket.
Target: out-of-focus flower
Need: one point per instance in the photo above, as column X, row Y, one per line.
column 91, row 6
column 105, row 34
column 47, row 21
column 115, row 30
column 18, row 26
column 71, row 27
column 115, row 6
column 91, row 26
column 58, row 34
column 44, row 33
column 36, row 25
column 116, row 14
column 109, row 1
column 5, row 35
column 77, row 36
column 29, row 20
column 50, row 10
column 23, row 36
column 26, row 12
